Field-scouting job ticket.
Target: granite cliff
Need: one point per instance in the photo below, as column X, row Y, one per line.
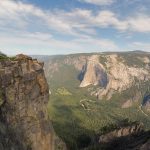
column 131, row 137
column 107, row 74
column 24, row 94
column 116, row 74
column 90, row 92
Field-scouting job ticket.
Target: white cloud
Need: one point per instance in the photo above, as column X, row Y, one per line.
column 97, row 44
column 98, row 2
column 15, row 14
column 24, row 25
column 108, row 18
column 35, row 42
column 22, row 15
column 140, row 46
column 84, row 20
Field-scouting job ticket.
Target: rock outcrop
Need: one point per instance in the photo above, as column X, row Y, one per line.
column 24, row 94
column 124, row 131
column 113, row 75
column 126, row 138
column 105, row 75
column 93, row 73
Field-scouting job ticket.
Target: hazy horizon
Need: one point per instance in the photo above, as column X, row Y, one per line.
column 36, row 54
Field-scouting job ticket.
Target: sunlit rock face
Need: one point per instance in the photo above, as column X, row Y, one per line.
column 25, row 94
column 93, row 73
column 105, row 75
column 114, row 74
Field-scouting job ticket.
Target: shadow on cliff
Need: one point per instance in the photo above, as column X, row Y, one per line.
column 68, row 128
column 130, row 142
column 10, row 140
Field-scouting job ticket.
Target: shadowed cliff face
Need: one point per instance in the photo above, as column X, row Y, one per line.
column 121, row 75
column 122, row 132
column 146, row 102
column 131, row 137
column 24, row 96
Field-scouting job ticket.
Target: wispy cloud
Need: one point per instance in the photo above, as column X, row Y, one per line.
column 26, row 25
column 17, row 14
column 17, row 18
column 35, row 42
column 139, row 23
column 98, row 2
column 22, row 15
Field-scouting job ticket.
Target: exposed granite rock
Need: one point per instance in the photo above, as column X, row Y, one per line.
column 78, row 62
column 106, row 74
column 54, row 65
column 113, row 75
column 93, row 73
column 134, row 100
column 24, row 95
column 126, row 138
column 127, row 104
column 124, row 131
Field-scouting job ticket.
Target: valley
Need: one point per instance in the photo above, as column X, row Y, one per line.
column 74, row 74
column 78, row 112
column 88, row 105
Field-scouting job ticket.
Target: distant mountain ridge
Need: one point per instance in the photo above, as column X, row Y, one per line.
column 94, row 90
column 110, row 72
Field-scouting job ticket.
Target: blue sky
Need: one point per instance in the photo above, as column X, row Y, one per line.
column 73, row 26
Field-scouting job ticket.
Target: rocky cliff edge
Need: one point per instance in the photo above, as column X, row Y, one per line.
column 24, row 94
